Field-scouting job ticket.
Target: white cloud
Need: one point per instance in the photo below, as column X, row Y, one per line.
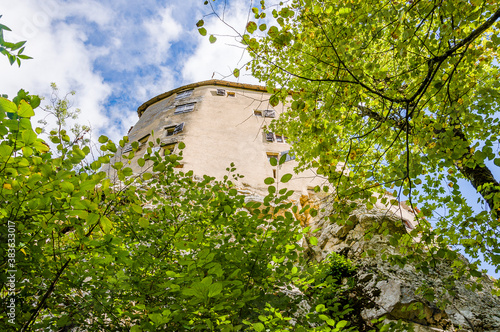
column 220, row 59
column 59, row 55
column 162, row 31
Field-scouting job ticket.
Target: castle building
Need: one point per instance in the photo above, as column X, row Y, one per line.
column 220, row 123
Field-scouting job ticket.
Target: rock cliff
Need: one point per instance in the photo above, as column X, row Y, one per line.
column 428, row 302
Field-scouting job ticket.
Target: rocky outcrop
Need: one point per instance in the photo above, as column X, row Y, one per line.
column 389, row 290
column 427, row 302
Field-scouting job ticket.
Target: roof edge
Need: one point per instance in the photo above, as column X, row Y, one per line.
column 143, row 107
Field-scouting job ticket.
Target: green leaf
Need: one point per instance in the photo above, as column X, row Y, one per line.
column 25, row 109
column 236, row 72
column 313, row 240
column 214, row 289
column 181, row 145
column 141, row 162
column 200, row 23
column 67, row 187
column 106, row 224
column 262, row 27
column 258, row 327
column 202, row 31
column 274, row 100
column 103, row 139
column 285, row 178
column 7, row 106
column 269, row 181
column 29, row 137
column 212, row 39
column 251, row 27
column 143, row 222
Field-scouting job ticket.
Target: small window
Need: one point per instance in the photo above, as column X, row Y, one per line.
column 169, row 131
column 270, row 137
column 143, row 139
column 184, row 108
column 279, row 139
column 184, row 94
column 168, row 149
column 173, row 130
column 231, row 94
column 289, row 156
column 221, row 92
column 269, row 113
column 265, row 113
column 274, row 173
column 272, row 155
column 127, row 148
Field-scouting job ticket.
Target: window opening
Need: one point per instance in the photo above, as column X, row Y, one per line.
column 271, row 155
column 127, row 148
column 184, row 94
column 221, row 92
column 184, row 108
column 173, row 130
column 279, row 139
column 274, row 173
column 168, row 149
column 269, row 113
column 289, row 156
column 143, row 139
column 231, row 94
column 257, row 113
column 270, row 137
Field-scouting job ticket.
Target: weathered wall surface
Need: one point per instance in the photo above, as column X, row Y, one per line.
column 220, row 130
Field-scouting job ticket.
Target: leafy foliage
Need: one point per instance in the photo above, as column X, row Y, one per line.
column 8, row 48
column 393, row 96
column 159, row 250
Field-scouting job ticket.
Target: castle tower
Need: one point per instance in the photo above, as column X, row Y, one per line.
column 220, row 123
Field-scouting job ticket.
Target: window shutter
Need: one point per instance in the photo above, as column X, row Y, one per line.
column 269, row 113
column 270, row 137
column 221, row 92
column 178, row 128
column 127, row 148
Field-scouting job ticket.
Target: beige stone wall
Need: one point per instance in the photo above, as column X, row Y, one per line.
column 220, row 130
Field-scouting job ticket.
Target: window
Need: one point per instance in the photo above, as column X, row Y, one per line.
column 168, row 149
column 184, row 108
column 272, row 155
column 221, row 92
column 231, row 94
column 265, row 113
column 289, row 156
column 173, row 130
column 184, row 94
column 271, row 137
column 143, row 139
column 127, row 148
column 269, row 113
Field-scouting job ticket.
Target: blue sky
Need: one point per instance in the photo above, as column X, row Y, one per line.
column 117, row 54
